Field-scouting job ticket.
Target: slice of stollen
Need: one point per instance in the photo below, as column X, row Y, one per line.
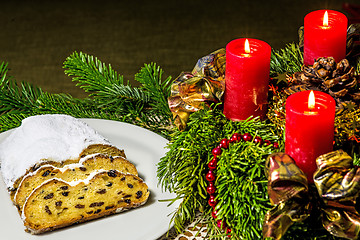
column 57, row 203
column 104, row 149
column 72, row 172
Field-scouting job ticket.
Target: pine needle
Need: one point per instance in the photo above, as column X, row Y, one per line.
column 14, row 97
column 102, row 82
column 286, row 60
column 150, row 76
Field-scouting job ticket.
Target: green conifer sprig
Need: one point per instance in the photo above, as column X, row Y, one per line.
column 90, row 73
column 14, row 97
column 182, row 171
column 9, row 121
column 66, row 104
column 286, row 60
column 3, row 74
column 103, row 83
column 145, row 105
column 242, row 192
column 150, row 76
column 110, row 97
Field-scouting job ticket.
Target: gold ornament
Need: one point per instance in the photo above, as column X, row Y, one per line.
column 337, row 183
column 204, row 85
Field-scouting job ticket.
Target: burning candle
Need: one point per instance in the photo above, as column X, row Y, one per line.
column 309, row 128
column 324, row 35
column 246, row 78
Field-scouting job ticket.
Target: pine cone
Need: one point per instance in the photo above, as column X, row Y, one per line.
column 338, row 80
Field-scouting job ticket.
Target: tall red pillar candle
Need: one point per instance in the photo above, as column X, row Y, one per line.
column 324, row 37
column 309, row 128
column 246, row 79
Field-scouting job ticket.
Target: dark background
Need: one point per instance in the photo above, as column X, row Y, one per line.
column 37, row 36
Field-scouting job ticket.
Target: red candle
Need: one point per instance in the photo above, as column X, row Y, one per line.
column 246, row 78
column 309, row 128
column 324, row 35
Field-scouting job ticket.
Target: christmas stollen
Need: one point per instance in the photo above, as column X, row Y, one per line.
column 59, row 171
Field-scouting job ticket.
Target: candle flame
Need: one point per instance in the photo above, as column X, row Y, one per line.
column 326, row 19
column 311, row 102
column 247, row 46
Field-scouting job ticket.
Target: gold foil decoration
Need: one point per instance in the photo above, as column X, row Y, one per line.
column 337, row 182
column 204, row 85
column 288, row 191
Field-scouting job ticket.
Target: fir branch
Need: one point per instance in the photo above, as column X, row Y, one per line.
column 242, row 182
column 112, row 96
column 120, row 102
column 14, row 97
column 183, row 168
column 3, row 74
column 286, row 60
column 66, row 104
column 103, row 82
column 91, row 74
column 150, row 76
column 10, row 121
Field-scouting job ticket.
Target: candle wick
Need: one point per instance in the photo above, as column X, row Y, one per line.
column 311, row 111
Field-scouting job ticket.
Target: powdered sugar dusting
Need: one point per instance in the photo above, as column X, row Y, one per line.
column 44, row 137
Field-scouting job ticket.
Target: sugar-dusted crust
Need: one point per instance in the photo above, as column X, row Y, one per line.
column 56, row 203
column 49, row 137
column 72, row 172
column 105, row 149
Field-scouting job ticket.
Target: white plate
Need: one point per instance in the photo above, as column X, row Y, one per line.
column 150, row 221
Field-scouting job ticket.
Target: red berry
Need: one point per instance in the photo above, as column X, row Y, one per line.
column 214, row 214
column 267, row 142
column 211, row 188
column 224, row 143
column 247, row 137
column 216, row 151
column 220, row 224
column 210, row 176
column 212, row 164
column 276, row 145
column 236, row 137
column 258, row 140
column 212, row 202
column 228, row 231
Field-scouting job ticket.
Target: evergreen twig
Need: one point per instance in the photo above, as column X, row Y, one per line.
column 9, row 121
column 14, row 97
column 286, row 60
column 150, row 76
column 103, row 83
column 141, row 106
